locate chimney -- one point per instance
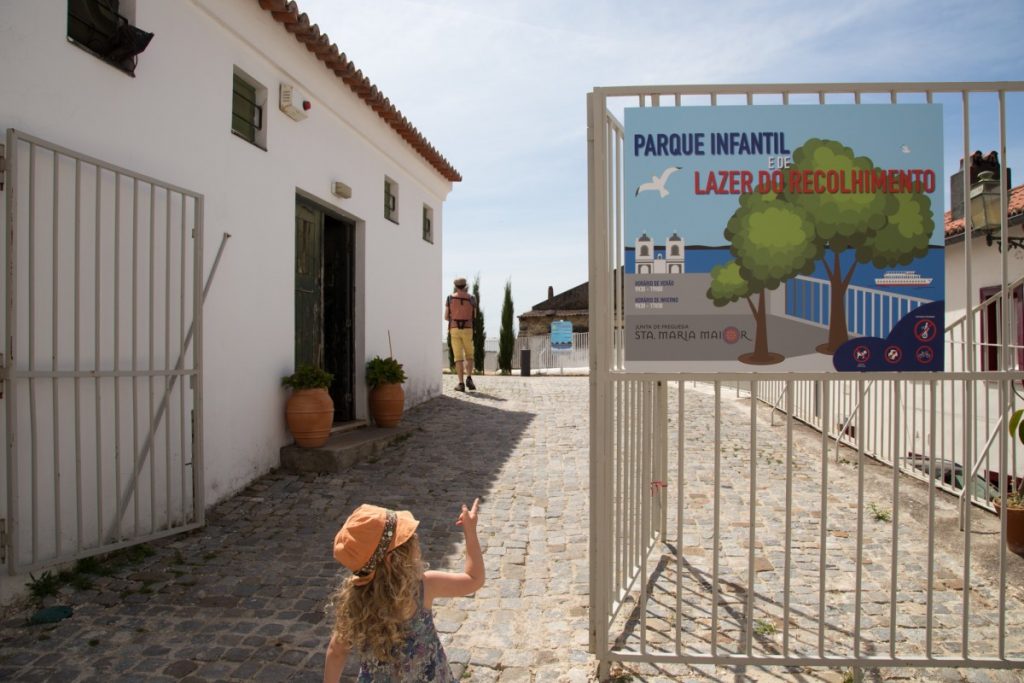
(551, 292)
(979, 163)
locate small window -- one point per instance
(104, 28)
(428, 224)
(248, 99)
(390, 200)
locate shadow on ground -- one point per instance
(244, 597)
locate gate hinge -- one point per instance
(3, 540)
(3, 164)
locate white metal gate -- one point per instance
(102, 372)
(717, 536)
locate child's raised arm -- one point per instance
(471, 579)
(334, 662)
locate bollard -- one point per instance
(524, 362)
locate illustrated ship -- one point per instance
(902, 278)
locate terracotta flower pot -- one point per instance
(1014, 528)
(309, 414)
(386, 404)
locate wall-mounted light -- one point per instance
(340, 189)
(987, 211)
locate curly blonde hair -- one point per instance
(372, 618)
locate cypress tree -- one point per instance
(478, 330)
(507, 340)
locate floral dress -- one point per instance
(420, 658)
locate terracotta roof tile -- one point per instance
(1015, 204)
(296, 23)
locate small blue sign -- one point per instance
(561, 335)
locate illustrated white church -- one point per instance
(650, 260)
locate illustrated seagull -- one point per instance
(658, 182)
(905, 149)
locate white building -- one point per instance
(986, 259)
(124, 178)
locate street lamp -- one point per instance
(987, 209)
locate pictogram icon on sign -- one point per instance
(861, 354)
(893, 354)
(924, 354)
(924, 330)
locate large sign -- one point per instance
(784, 238)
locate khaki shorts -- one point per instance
(462, 343)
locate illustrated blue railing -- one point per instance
(869, 312)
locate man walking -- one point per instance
(459, 311)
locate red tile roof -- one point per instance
(1016, 207)
(287, 14)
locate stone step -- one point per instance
(343, 449)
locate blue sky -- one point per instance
(500, 89)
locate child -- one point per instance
(382, 611)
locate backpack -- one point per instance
(461, 314)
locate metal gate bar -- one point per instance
(55, 196)
(988, 648)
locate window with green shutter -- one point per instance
(390, 200)
(246, 112)
(428, 224)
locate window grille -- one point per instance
(390, 200)
(428, 224)
(97, 27)
(246, 113)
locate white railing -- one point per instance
(869, 312)
(543, 357)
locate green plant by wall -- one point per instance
(880, 513)
(384, 371)
(1015, 496)
(308, 377)
(507, 338)
(478, 330)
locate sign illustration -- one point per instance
(798, 238)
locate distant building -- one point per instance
(572, 305)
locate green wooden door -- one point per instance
(309, 307)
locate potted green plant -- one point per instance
(387, 398)
(310, 410)
(1015, 496)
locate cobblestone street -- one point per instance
(243, 598)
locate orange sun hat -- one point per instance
(370, 533)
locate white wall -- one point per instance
(986, 271)
(172, 122)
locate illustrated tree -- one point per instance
(478, 330)
(506, 338)
(883, 229)
(771, 241)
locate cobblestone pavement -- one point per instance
(243, 598)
